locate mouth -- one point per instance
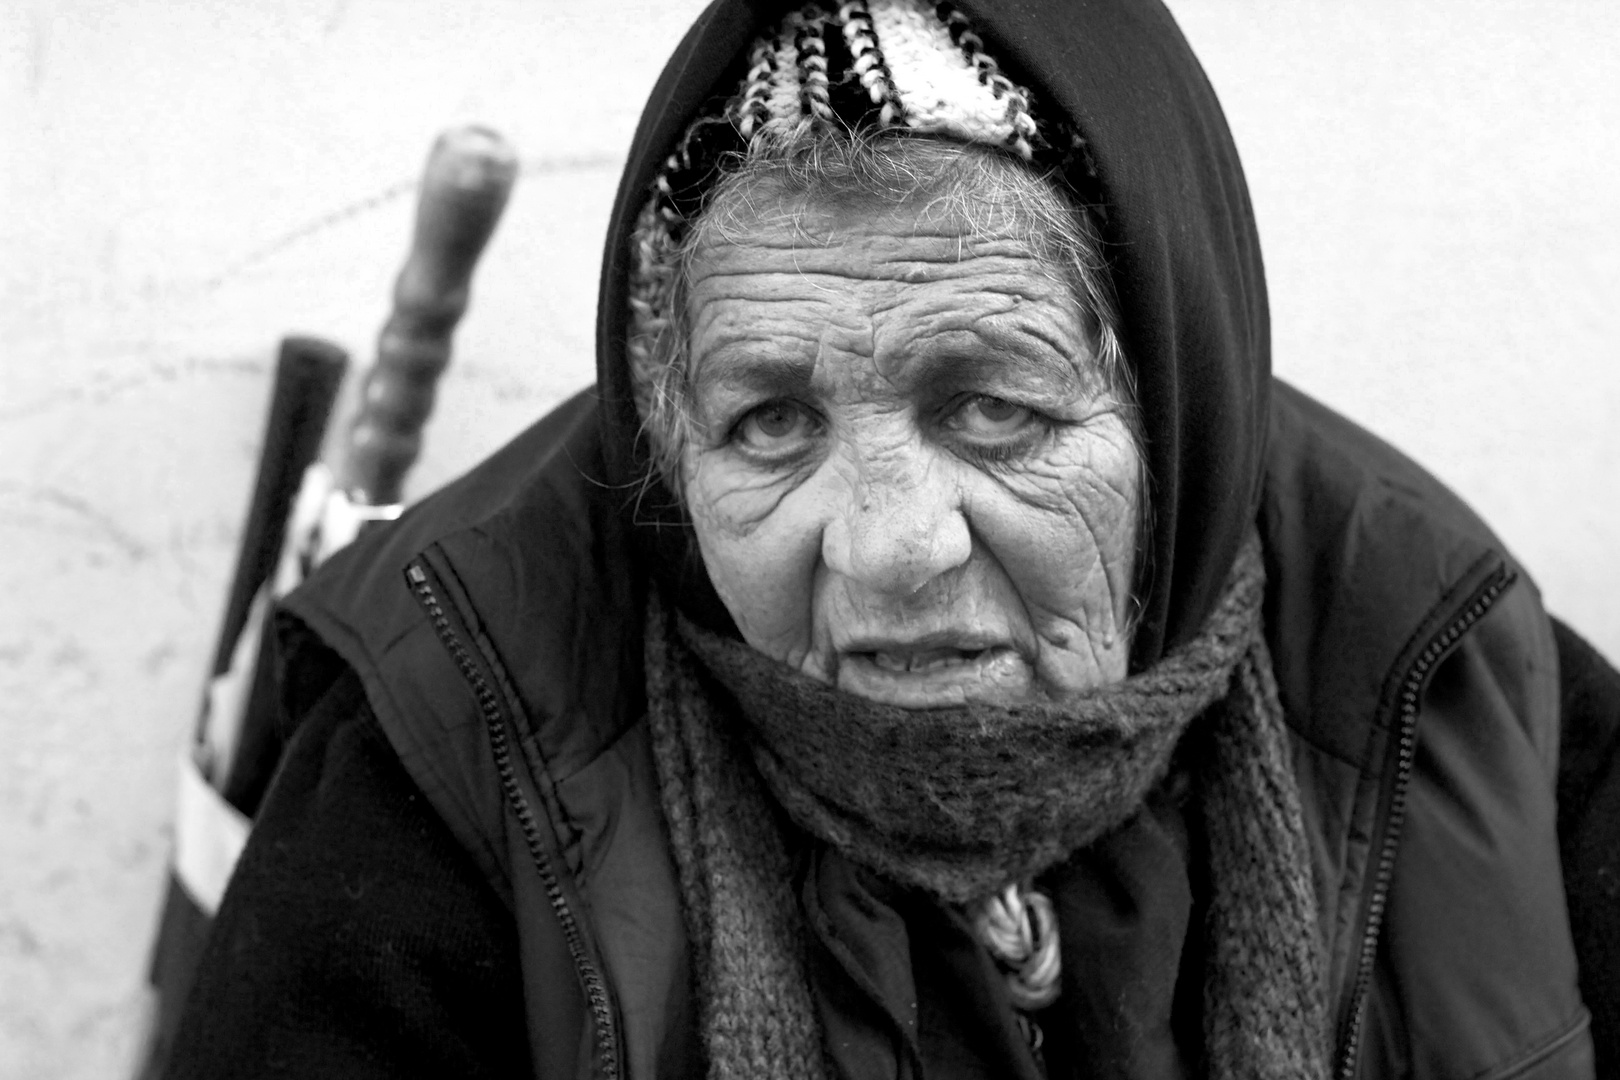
(929, 674)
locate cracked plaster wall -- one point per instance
(188, 180)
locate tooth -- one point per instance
(926, 660)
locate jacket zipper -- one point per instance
(1410, 701)
(494, 713)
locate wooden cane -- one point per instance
(465, 186)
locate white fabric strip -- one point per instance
(209, 834)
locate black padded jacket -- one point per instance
(463, 866)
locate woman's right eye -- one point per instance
(775, 427)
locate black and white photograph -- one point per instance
(835, 540)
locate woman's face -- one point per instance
(906, 478)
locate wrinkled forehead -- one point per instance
(885, 253)
(794, 300)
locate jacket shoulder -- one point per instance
(1366, 550)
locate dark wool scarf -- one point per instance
(960, 801)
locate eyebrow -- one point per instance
(753, 368)
(989, 354)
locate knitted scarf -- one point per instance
(962, 800)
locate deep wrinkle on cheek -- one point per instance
(731, 496)
(1080, 497)
(765, 575)
(1076, 455)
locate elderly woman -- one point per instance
(936, 649)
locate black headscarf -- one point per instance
(1183, 253)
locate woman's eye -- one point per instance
(774, 426)
(992, 417)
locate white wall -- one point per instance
(187, 181)
(1438, 190)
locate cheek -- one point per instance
(1064, 528)
(760, 546)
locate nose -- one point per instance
(898, 524)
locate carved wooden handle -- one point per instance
(464, 189)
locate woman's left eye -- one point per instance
(991, 417)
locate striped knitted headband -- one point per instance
(866, 65)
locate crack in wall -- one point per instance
(101, 524)
(532, 167)
(103, 387)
